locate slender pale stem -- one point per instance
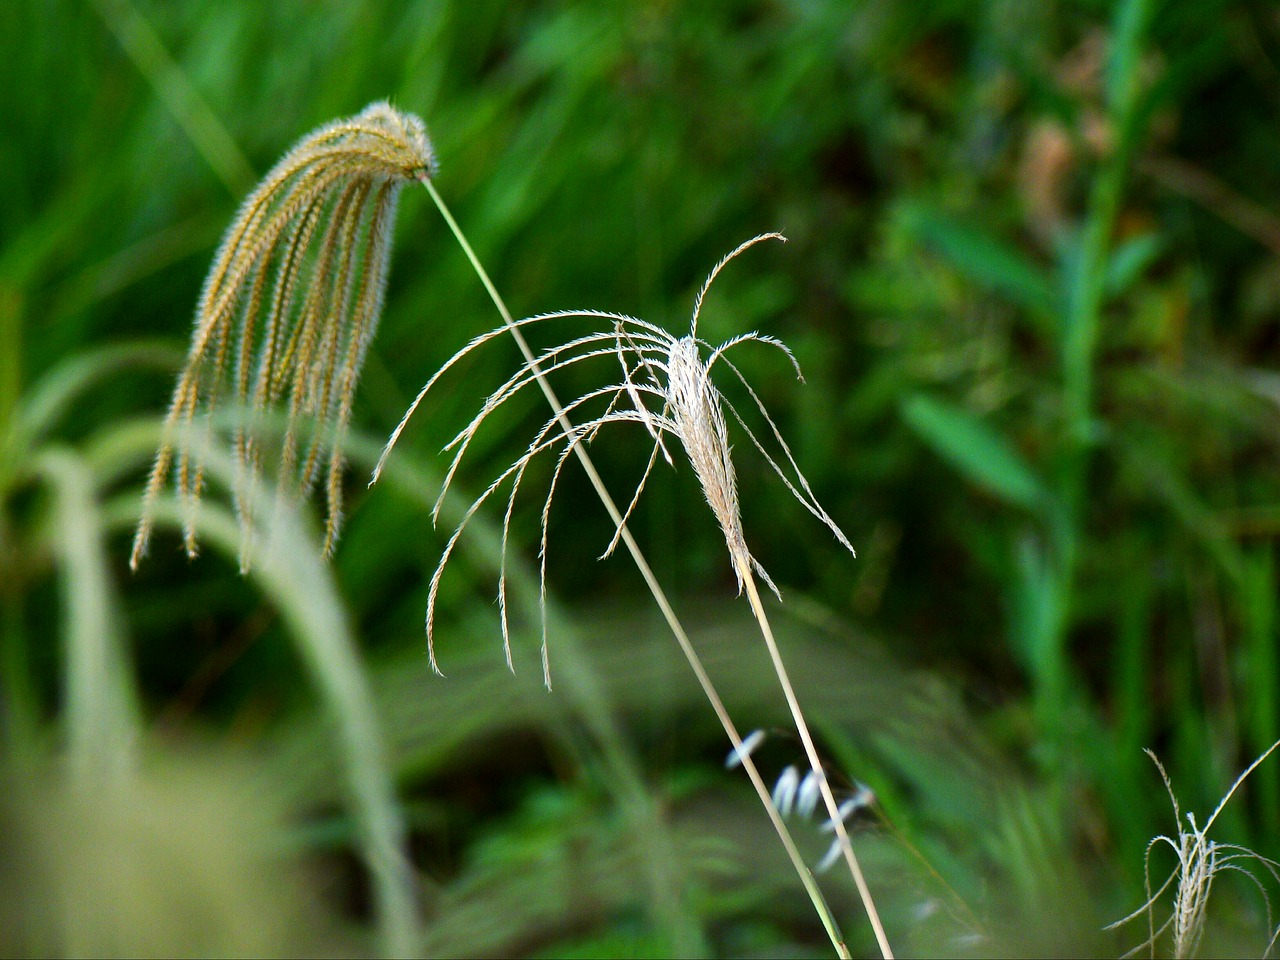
(101, 702)
(686, 646)
(743, 563)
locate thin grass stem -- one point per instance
(743, 562)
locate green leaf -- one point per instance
(1130, 259)
(975, 449)
(1037, 612)
(983, 258)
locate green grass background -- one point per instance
(1032, 280)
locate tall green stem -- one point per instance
(1079, 347)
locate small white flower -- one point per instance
(807, 795)
(829, 858)
(749, 744)
(784, 791)
(861, 800)
(924, 910)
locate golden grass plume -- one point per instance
(287, 313)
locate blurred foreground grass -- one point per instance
(1033, 285)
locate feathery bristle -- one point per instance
(297, 285)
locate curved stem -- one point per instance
(668, 613)
(292, 574)
(101, 708)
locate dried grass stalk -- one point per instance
(666, 387)
(287, 313)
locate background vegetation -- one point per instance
(1032, 281)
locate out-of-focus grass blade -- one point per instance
(987, 261)
(176, 860)
(1134, 711)
(10, 364)
(100, 706)
(1164, 480)
(288, 565)
(1034, 608)
(1129, 260)
(54, 393)
(172, 86)
(1128, 29)
(975, 449)
(1264, 677)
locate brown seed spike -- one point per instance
(287, 311)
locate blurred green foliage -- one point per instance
(1032, 282)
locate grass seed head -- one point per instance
(697, 418)
(666, 387)
(287, 312)
(1199, 860)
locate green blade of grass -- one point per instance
(985, 260)
(51, 396)
(975, 449)
(171, 85)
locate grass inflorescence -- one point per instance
(288, 310)
(1199, 861)
(665, 386)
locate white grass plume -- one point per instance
(1200, 860)
(289, 308)
(665, 386)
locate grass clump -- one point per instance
(1030, 278)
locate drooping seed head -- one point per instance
(666, 388)
(288, 309)
(698, 416)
